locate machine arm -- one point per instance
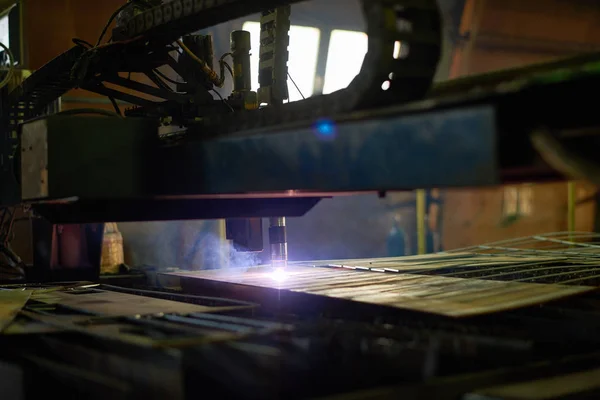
(404, 49)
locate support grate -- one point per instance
(566, 258)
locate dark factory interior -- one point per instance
(299, 199)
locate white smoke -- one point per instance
(188, 245)
(213, 252)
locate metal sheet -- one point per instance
(454, 297)
(122, 304)
(11, 302)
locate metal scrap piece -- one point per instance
(107, 303)
(11, 302)
(455, 297)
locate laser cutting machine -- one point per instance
(205, 144)
(181, 152)
(184, 151)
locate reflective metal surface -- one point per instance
(482, 279)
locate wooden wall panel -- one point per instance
(484, 60)
(549, 20)
(505, 34)
(476, 216)
(50, 26)
(524, 32)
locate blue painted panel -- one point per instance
(435, 149)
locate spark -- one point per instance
(279, 274)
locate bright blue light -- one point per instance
(325, 128)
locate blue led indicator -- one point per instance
(325, 128)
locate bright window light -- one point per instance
(347, 50)
(302, 65)
(4, 32)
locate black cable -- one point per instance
(82, 43)
(225, 55)
(161, 84)
(297, 88)
(110, 20)
(9, 230)
(228, 69)
(98, 111)
(6, 225)
(164, 86)
(223, 100)
(115, 105)
(222, 62)
(15, 264)
(166, 78)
